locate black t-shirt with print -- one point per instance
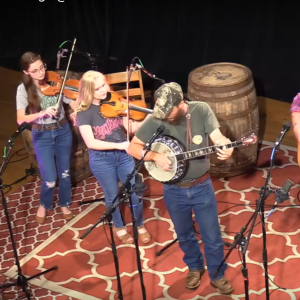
(104, 129)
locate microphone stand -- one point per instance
(240, 239)
(22, 281)
(59, 98)
(153, 76)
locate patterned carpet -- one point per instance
(86, 268)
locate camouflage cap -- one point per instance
(168, 96)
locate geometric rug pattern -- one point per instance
(86, 268)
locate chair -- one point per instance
(118, 81)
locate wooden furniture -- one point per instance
(118, 81)
(229, 90)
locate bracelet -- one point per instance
(143, 153)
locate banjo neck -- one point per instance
(205, 151)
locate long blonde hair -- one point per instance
(86, 92)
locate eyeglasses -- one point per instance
(42, 68)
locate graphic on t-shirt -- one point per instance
(197, 139)
(100, 132)
(47, 101)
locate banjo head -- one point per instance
(166, 144)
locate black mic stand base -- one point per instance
(100, 200)
(135, 238)
(114, 251)
(158, 253)
(241, 242)
(21, 281)
(122, 199)
(91, 201)
(173, 242)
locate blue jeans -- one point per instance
(109, 166)
(48, 146)
(201, 199)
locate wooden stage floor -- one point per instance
(273, 114)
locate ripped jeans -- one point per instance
(53, 153)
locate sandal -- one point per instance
(42, 219)
(123, 235)
(144, 234)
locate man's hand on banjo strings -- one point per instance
(162, 160)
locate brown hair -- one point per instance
(34, 103)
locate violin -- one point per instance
(117, 106)
(54, 83)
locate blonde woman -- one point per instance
(106, 141)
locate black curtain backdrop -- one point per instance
(170, 37)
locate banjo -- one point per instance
(178, 156)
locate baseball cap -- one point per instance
(168, 96)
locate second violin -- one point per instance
(116, 106)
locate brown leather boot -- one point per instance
(223, 286)
(193, 278)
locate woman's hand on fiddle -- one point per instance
(50, 111)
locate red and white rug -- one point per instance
(86, 268)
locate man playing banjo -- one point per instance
(189, 123)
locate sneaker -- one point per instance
(223, 286)
(193, 278)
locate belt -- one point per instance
(189, 183)
(50, 126)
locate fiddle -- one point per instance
(54, 83)
(117, 106)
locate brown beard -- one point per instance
(178, 117)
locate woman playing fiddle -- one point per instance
(51, 139)
(106, 141)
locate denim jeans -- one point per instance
(201, 199)
(53, 153)
(109, 166)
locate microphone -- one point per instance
(139, 187)
(131, 68)
(90, 55)
(59, 55)
(158, 132)
(141, 109)
(148, 73)
(286, 127)
(282, 194)
(22, 127)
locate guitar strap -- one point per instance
(188, 128)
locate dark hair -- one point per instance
(34, 103)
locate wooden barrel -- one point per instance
(229, 90)
(80, 169)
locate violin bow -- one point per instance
(59, 98)
(127, 97)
